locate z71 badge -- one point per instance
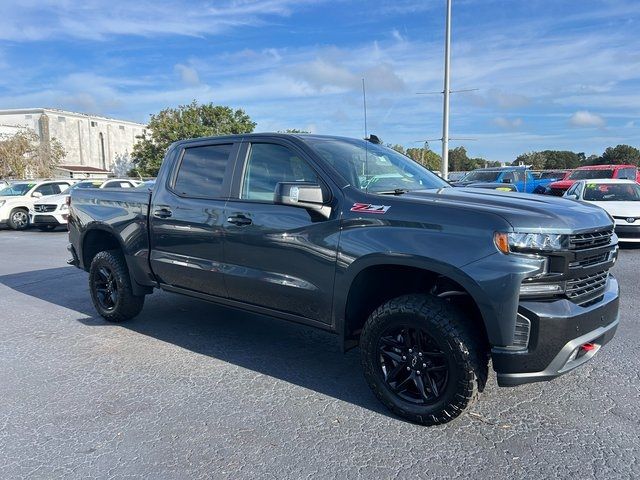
(368, 208)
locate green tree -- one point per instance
(397, 148)
(536, 160)
(551, 159)
(425, 157)
(620, 155)
(186, 121)
(24, 155)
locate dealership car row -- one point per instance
(615, 188)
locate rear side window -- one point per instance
(202, 171)
(48, 189)
(627, 173)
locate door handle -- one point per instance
(162, 213)
(239, 220)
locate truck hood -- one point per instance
(526, 212)
(562, 184)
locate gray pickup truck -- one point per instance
(351, 237)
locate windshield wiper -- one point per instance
(397, 191)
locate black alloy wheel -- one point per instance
(106, 288)
(414, 367)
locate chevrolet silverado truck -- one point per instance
(430, 281)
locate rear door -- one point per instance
(186, 218)
(277, 256)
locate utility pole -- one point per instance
(446, 91)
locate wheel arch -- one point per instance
(99, 237)
(372, 280)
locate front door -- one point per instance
(187, 216)
(279, 257)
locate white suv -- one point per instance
(50, 212)
(18, 198)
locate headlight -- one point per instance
(530, 242)
(535, 289)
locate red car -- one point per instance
(629, 172)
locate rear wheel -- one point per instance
(110, 287)
(18, 219)
(421, 360)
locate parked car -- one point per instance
(592, 172)
(456, 176)
(429, 280)
(51, 212)
(620, 198)
(520, 177)
(18, 198)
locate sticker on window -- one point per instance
(369, 208)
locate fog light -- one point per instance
(540, 289)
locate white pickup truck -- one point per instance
(51, 212)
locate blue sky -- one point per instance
(550, 74)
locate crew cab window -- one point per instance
(202, 171)
(269, 164)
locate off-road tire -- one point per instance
(14, 224)
(127, 305)
(461, 344)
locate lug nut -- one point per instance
(410, 351)
(419, 354)
(408, 368)
(418, 372)
(424, 365)
(404, 357)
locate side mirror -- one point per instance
(572, 196)
(302, 194)
(36, 194)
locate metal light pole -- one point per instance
(446, 91)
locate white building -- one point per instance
(89, 140)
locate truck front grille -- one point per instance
(582, 241)
(584, 289)
(590, 261)
(44, 208)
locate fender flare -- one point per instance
(345, 279)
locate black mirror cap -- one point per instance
(300, 194)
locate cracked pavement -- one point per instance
(193, 390)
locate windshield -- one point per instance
(612, 192)
(17, 189)
(481, 176)
(374, 168)
(92, 184)
(588, 174)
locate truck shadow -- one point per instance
(293, 353)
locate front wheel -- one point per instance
(18, 219)
(421, 359)
(110, 287)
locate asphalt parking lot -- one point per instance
(191, 390)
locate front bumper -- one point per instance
(558, 328)
(52, 218)
(628, 232)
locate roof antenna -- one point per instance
(366, 141)
(364, 104)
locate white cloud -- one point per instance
(188, 75)
(583, 118)
(508, 123)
